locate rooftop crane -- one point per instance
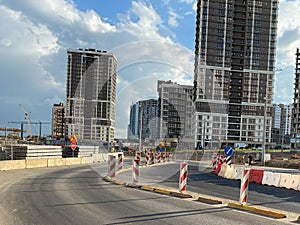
(27, 118)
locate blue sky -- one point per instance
(152, 40)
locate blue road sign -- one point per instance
(228, 151)
(159, 149)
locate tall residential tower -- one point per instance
(234, 71)
(91, 95)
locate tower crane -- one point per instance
(27, 118)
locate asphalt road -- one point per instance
(203, 181)
(77, 195)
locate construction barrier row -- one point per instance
(152, 157)
(40, 163)
(276, 179)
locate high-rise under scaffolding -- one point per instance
(91, 95)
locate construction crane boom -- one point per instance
(27, 118)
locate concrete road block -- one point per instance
(12, 165)
(73, 161)
(56, 162)
(36, 163)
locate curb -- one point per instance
(209, 201)
(147, 188)
(256, 210)
(161, 191)
(118, 182)
(133, 185)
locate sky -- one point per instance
(152, 40)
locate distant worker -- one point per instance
(250, 158)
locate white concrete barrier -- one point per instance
(238, 172)
(229, 174)
(223, 170)
(36, 163)
(12, 165)
(73, 161)
(56, 162)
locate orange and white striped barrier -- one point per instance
(135, 171)
(183, 176)
(120, 161)
(112, 166)
(244, 187)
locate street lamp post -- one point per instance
(140, 129)
(264, 134)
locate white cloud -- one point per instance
(288, 41)
(147, 25)
(172, 21)
(288, 31)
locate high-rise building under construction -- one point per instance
(234, 71)
(91, 95)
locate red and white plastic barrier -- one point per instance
(138, 156)
(244, 186)
(120, 161)
(183, 176)
(135, 171)
(158, 157)
(152, 158)
(147, 157)
(214, 161)
(112, 166)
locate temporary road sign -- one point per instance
(228, 151)
(73, 146)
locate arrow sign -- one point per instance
(228, 151)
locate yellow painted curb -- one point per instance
(209, 201)
(259, 211)
(181, 195)
(161, 191)
(118, 182)
(147, 188)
